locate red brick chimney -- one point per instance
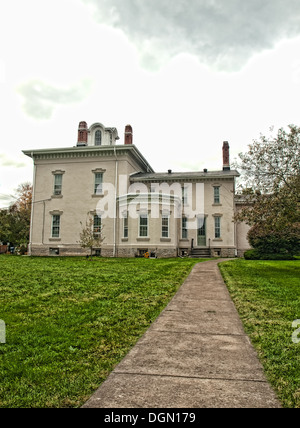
(226, 156)
(128, 135)
(82, 134)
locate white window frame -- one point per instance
(97, 225)
(56, 227)
(125, 226)
(184, 228)
(217, 227)
(58, 179)
(184, 196)
(165, 228)
(143, 216)
(97, 139)
(217, 195)
(98, 183)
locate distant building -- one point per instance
(164, 214)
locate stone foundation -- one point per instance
(166, 253)
(228, 252)
(223, 252)
(136, 252)
(241, 252)
(54, 251)
(123, 252)
(126, 252)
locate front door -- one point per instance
(201, 236)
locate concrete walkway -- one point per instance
(195, 355)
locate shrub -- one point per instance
(275, 242)
(252, 255)
(257, 255)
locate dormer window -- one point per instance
(98, 138)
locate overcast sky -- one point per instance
(186, 74)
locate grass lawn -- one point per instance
(69, 321)
(267, 296)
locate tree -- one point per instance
(4, 226)
(15, 221)
(91, 235)
(283, 241)
(270, 172)
(21, 213)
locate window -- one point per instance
(98, 190)
(97, 225)
(165, 226)
(143, 225)
(217, 227)
(142, 252)
(125, 226)
(216, 195)
(98, 138)
(184, 196)
(55, 226)
(58, 184)
(54, 251)
(184, 231)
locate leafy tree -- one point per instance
(91, 236)
(270, 187)
(15, 221)
(278, 242)
(4, 225)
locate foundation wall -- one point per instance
(75, 251)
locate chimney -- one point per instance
(226, 161)
(128, 135)
(82, 134)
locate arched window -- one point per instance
(98, 138)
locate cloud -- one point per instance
(10, 163)
(224, 34)
(5, 200)
(41, 99)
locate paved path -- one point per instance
(195, 355)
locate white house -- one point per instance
(166, 214)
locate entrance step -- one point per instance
(200, 253)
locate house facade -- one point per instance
(164, 214)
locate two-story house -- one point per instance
(164, 214)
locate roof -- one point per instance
(167, 176)
(73, 152)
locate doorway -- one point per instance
(201, 231)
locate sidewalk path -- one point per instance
(195, 355)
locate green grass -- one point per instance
(267, 296)
(69, 321)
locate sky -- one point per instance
(186, 74)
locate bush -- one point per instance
(275, 242)
(252, 255)
(257, 255)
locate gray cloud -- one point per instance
(41, 99)
(222, 33)
(5, 199)
(7, 162)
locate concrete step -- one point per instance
(200, 252)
